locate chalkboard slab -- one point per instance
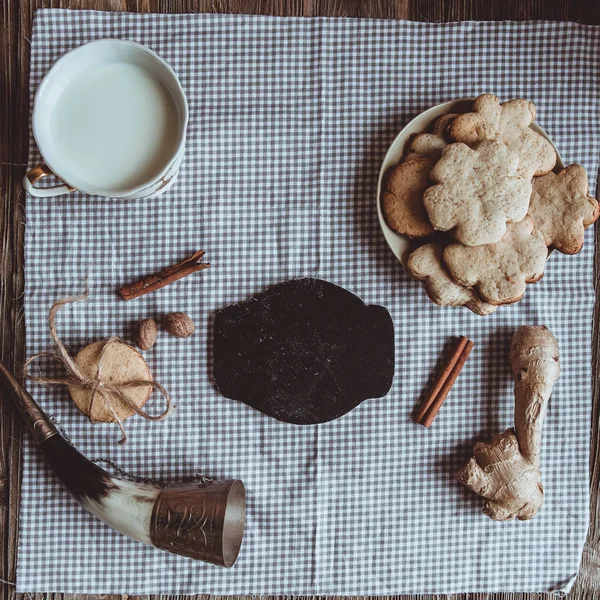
(304, 351)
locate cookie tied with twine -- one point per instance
(108, 380)
(110, 361)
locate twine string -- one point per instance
(109, 393)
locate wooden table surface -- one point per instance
(15, 33)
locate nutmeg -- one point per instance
(178, 324)
(145, 333)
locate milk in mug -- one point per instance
(114, 126)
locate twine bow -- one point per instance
(108, 392)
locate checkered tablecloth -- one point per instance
(290, 120)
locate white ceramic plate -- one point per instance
(400, 244)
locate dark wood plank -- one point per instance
(519, 10)
(15, 32)
(13, 155)
(376, 9)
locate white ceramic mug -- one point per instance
(109, 119)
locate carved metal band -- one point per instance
(189, 520)
(36, 420)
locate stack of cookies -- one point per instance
(480, 197)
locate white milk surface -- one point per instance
(114, 127)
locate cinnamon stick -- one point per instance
(165, 277)
(438, 400)
(462, 341)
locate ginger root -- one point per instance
(506, 471)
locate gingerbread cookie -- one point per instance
(441, 125)
(561, 208)
(507, 123)
(403, 197)
(115, 363)
(425, 264)
(432, 145)
(479, 190)
(499, 272)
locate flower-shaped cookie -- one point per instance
(432, 145)
(507, 123)
(425, 264)
(479, 191)
(403, 197)
(561, 208)
(500, 271)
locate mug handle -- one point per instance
(36, 174)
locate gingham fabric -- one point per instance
(290, 120)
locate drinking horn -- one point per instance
(202, 520)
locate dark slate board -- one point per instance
(305, 351)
